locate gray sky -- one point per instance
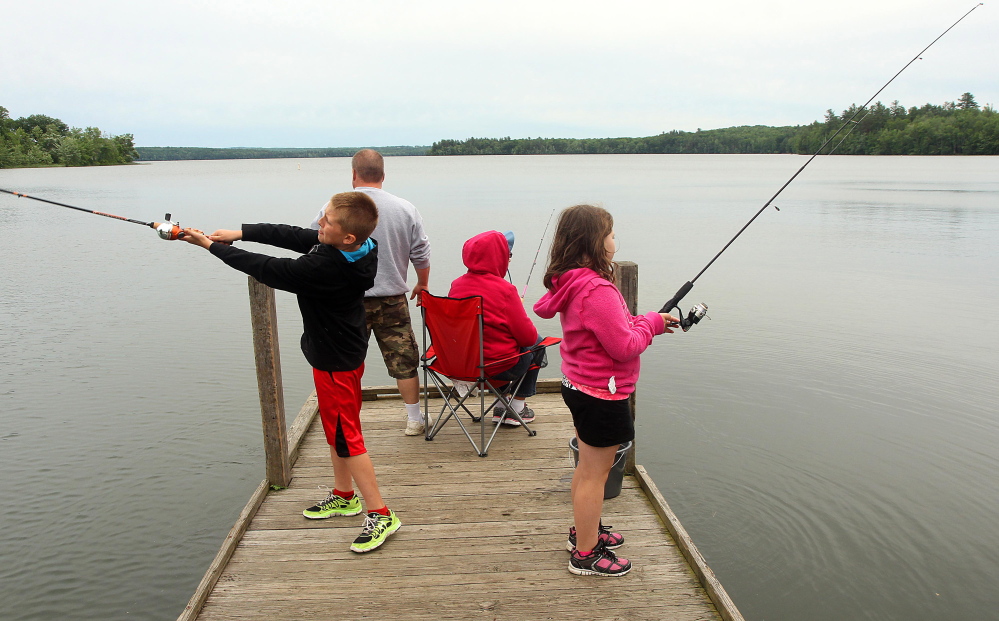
(331, 73)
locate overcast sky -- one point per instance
(376, 73)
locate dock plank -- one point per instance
(482, 538)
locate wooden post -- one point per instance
(627, 282)
(267, 356)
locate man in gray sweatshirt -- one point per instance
(401, 240)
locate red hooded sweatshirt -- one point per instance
(507, 326)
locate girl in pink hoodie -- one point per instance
(601, 343)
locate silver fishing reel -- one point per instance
(168, 230)
(695, 315)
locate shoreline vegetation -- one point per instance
(39, 140)
(161, 154)
(953, 128)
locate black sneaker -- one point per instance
(609, 538)
(527, 414)
(599, 562)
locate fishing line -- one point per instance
(700, 310)
(540, 243)
(166, 230)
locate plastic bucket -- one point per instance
(616, 477)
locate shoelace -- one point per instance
(606, 554)
(603, 529)
(329, 494)
(370, 524)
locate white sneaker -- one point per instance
(415, 428)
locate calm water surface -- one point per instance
(830, 438)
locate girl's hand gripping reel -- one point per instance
(699, 311)
(168, 230)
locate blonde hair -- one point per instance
(355, 212)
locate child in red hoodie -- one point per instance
(507, 328)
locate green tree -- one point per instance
(967, 102)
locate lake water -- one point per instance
(829, 438)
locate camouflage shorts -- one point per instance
(388, 318)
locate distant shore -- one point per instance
(159, 154)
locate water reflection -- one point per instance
(829, 438)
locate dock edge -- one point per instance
(716, 592)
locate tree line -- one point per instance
(158, 154)
(40, 140)
(953, 128)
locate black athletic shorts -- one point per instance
(599, 422)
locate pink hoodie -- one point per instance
(507, 326)
(601, 340)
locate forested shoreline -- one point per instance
(954, 128)
(159, 154)
(40, 140)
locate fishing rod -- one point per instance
(540, 243)
(701, 310)
(166, 230)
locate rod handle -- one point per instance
(673, 301)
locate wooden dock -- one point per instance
(482, 538)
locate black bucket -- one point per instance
(616, 477)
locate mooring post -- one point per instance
(267, 356)
(628, 284)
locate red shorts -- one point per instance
(339, 394)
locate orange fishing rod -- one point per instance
(166, 230)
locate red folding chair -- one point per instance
(455, 352)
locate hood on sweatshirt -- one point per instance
(487, 253)
(565, 288)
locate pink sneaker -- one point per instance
(610, 539)
(599, 562)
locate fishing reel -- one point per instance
(168, 230)
(695, 315)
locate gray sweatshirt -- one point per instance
(400, 238)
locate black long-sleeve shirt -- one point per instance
(330, 289)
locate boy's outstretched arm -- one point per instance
(198, 238)
(292, 275)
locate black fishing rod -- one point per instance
(699, 311)
(166, 230)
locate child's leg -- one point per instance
(342, 479)
(339, 395)
(360, 468)
(529, 387)
(588, 491)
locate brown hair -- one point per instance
(579, 242)
(355, 212)
(369, 165)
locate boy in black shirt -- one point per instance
(337, 266)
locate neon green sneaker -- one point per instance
(376, 530)
(333, 505)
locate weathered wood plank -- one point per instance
(628, 284)
(726, 607)
(375, 393)
(482, 538)
(221, 559)
(267, 357)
